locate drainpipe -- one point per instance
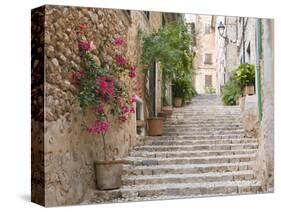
(258, 68)
(243, 39)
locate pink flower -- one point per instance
(119, 101)
(82, 26)
(133, 72)
(120, 60)
(86, 45)
(134, 98)
(132, 110)
(99, 109)
(98, 126)
(118, 41)
(125, 109)
(106, 85)
(124, 117)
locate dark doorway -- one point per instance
(152, 88)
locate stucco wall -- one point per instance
(267, 87)
(205, 43)
(68, 153)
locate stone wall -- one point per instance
(67, 153)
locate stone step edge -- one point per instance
(191, 158)
(191, 175)
(192, 152)
(191, 145)
(128, 167)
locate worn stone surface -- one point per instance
(175, 166)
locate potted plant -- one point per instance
(245, 75)
(104, 93)
(182, 90)
(231, 92)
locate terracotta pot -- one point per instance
(249, 90)
(177, 101)
(168, 110)
(108, 174)
(155, 126)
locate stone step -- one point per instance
(156, 141)
(203, 118)
(188, 178)
(197, 137)
(162, 148)
(199, 122)
(202, 129)
(146, 161)
(186, 168)
(203, 124)
(177, 190)
(170, 154)
(217, 132)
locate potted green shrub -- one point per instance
(103, 92)
(182, 90)
(245, 76)
(231, 92)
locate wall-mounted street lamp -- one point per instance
(221, 29)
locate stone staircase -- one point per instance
(203, 152)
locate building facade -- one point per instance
(251, 40)
(205, 62)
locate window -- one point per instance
(147, 14)
(207, 28)
(208, 59)
(208, 81)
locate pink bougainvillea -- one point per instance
(82, 27)
(118, 41)
(103, 88)
(99, 109)
(120, 60)
(133, 72)
(106, 85)
(85, 45)
(99, 126)
(134, 98)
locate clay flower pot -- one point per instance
(177, 101)
(155, 126)
(108, 174)
(168, 110)
(249, 90)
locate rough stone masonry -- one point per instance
(63, 155)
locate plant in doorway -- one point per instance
(103, 91)
(171, 46)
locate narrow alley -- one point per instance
(203, 152)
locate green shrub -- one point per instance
(245, 75)
(182, 87)
(231, 92)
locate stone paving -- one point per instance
(203, 152)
